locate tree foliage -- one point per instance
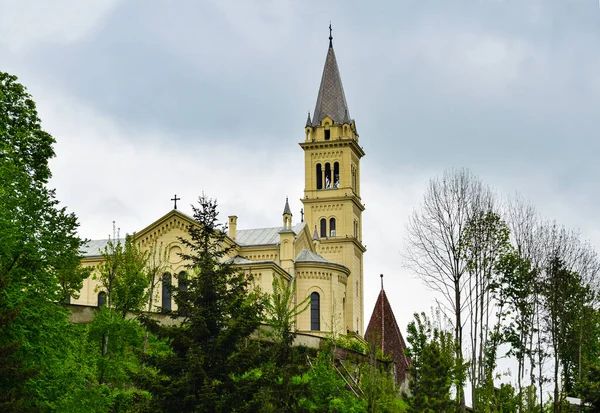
(39, 256)
(434, 367)
(219, 311)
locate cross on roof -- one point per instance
(175, 199)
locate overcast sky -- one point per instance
(151, 98)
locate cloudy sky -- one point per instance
(151, 98)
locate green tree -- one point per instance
(326, 390)
(280, 316)
(514, 286)
(38, 253)
(564, 299)
(122, 274)
(433, 367)
(218, 313)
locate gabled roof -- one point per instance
(95, 248)
(383, 331)
(331, 100)
(263, 236)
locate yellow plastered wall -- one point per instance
(330, 284)
(342, 203)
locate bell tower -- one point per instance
(332, 200)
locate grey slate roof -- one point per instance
(331, 100)
(309, 256)
(244, 237)
(263, 236)
(94, 248)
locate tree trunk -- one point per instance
(460, 393)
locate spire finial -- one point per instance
(381, 275)
(330, 36)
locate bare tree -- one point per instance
(433, 245)
(527, 236)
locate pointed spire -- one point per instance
(316, 234)
(331, 100)
(287, 210)
(308, 121)
(383, 331)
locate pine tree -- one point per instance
(218, 311)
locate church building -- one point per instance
(323, 251)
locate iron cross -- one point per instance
(175, 199)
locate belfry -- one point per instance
(332, 202)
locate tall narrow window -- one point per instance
(182, 281)
(323, 228)
(327, 175)
(332, 227)
(166, 291)
(101, 299)
(336, 175)
(319, 176)
(327, 134)
(315, 312)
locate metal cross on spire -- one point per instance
(330, 36)
(175, 199)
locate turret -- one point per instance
(286, 240)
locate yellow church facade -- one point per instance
(323, 253)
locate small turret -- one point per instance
(287, 215)
(286, 240)
(316, 240)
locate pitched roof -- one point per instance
(331, 100)
(383, 330)
(95, 248)
(263, 236)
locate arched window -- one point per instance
(166, 291)
(182, 281)
(101, 299)
(336, 175)
(323, 228)
(332, 227)
(328, 182)
(315, 312)
(319, 176)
